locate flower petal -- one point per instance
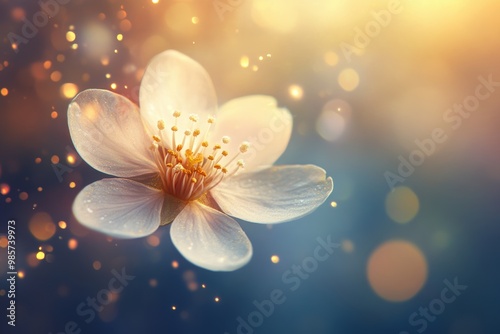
(258, 120)
(108, 133)
(119, 207)
(274, 195)
(175, 82)
(210, 239)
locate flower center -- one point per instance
(189, 165)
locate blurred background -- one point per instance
(397, 100)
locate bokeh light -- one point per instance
(68, 90)
(348, 79)
(42, 226)
(296, 92)
(397, 270)
(333, 120)
(402, 204)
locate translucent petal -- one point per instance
(274, 195)
(258, 120)
(108, 133)
(210, 239)
(119, 207)
(175, 82)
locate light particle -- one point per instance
(70, 36)
(296, 92)
(244, 61)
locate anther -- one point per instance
(176, 114)
(240, 163)
(204, 144)
(187, 132)
(156, 139)
(226, 139)
(161, 125)
(196, 132)
(174, 128)
(193, 117)
(194, 180)
(225, 153)
(211, 119)
(244, 146)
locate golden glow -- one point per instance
(104, 60)
(119, 37)
(53, 114)
(41, 226)
(195, 20)
(70, 36)
(296, 92)
(21, 274)
(402, 204)
(113, 85)
(72, 244)
(4, 188)
(55, 76)
(244, 61)
(275, 259)
(72, 184)
(397, 270)
(175, 264)
(333, 204)
(62, 224)
(40, 256)
(331, 58)
(3, 241)
(277, 15)
(348, 79)
(70, 159)
(217, 299)
(4, 91)
(68, 90)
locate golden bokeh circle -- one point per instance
(397, 270)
